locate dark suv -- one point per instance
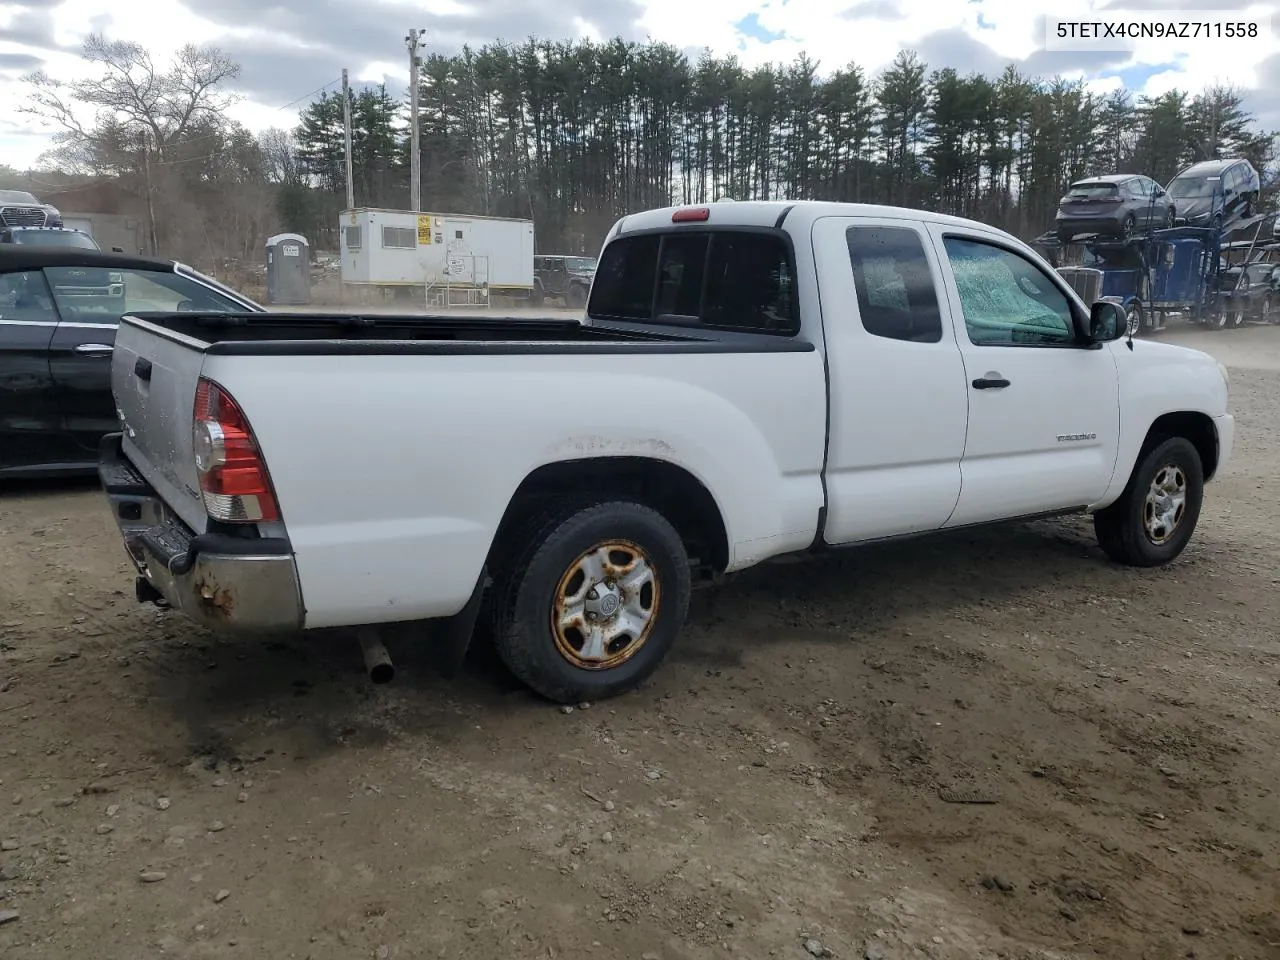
(563, 277)
(1216, 191)
(1115, 205)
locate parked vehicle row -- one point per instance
(1208, 194)
(59, 310)
(750, 380)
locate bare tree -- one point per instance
(133, 101)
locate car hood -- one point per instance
(1194, 207)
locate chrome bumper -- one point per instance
(216, 579)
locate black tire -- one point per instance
(1122, 529)
(542, 560)
(1127, 226)
(1170, 217)
(538, 298)
(1065, 237)
(576, 298)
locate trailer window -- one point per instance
(399, 238)
(729, 279)
(352, 237)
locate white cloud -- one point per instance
(833, 32)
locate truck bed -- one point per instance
(294, 334)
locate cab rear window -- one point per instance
(726, 279)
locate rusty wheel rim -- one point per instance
(605, 605)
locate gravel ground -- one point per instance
(776, 790)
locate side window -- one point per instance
(896, 294)
(623, 287)
(102, 295)
(1006, 299)
(25, 297)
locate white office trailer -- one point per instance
(442, 259)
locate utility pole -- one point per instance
(415, 143)
(346, 131)
(151, 212)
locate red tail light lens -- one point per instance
(233, 476)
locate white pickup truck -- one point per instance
(751, 380)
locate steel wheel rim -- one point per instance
(1166, 504)
(1132, 322)
(605, 605)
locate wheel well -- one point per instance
(1196, 427)
(672, 491)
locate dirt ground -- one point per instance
(773, 792)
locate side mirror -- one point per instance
(1107, 321)
(1160, 191)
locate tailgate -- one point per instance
(153, 375)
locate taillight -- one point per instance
(691, 215)
(233, 476)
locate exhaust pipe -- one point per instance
(376, 659)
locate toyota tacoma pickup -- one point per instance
(750, 380)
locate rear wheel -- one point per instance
(1236, 316)
(576, 297)
(590, 600)
(1152, 521)
(1170, 217)
(1127, 227)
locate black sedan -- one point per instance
(59, 309)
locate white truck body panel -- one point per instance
(392, 488)
(403, 248)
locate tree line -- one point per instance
(574, 135)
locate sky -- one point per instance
(288, 51)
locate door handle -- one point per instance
(142, 369)
(94, 349)
(996, 382)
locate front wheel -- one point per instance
(591, 599)
(1154, 518)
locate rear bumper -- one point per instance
(1078, 225)
(216, 579)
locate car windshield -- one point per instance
(55, 238)
(17, 196)
(1192, 187)
(1091, 191)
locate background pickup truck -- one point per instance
(753, 379)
